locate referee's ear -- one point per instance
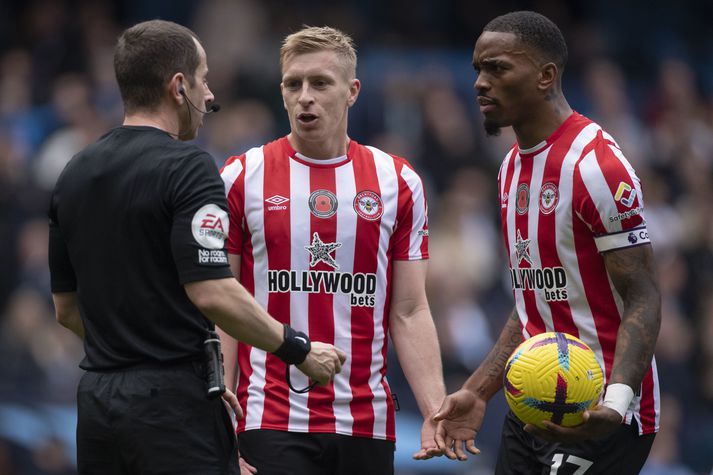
(175, 88)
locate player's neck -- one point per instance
(541, 124)
(320, 150)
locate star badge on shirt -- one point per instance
(522, 249)
(321, 251)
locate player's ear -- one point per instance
(354, 88)
(547, 76)
(282, 92)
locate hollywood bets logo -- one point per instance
(361, 287)
(550, 281)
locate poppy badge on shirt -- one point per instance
(323, 203)
(522, 198)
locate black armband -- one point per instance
(294, 348)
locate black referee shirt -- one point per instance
(132, 218)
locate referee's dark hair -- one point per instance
(534, 30)
(147, 55)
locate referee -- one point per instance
(139, 272)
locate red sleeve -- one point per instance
(233, 175)
(410, 238)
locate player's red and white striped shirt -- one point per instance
(316, 240)
(564, 202)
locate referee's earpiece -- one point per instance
(180, 90)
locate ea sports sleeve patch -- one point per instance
(209, 227)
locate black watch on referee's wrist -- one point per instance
(294, 348)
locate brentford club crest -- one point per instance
(549, 196)
(323, 203)
(522, 198)
(368, 205)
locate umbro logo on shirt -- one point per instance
(277, 203)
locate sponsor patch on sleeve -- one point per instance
(210, 226)
(212, 257)
(622, 239)
(626, 214)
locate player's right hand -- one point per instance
(597, 422)
(459, 420)
(323, 362)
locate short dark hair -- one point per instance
(147, 55)
(534, 30)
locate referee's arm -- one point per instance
(67, 312)
(228, 343)
(232, 308)
(63, 280)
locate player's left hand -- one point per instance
(598, 422)
(231, 400)
(429, 448)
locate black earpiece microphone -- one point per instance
(211, 109)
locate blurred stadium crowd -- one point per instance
(643, 70)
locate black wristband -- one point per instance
(295, 347)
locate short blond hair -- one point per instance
(312, 39)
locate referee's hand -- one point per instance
(231, 400)
(323, 362)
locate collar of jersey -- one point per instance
(315, 162)
(529, 152)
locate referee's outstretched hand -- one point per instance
(459, 420)
(598, 422)
(323, 362)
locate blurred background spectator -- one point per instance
(642, 69)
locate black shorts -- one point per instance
(623, 453)
(152, 421)
(275, 452)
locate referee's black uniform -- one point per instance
(133, 218)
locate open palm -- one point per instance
(460, 418)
